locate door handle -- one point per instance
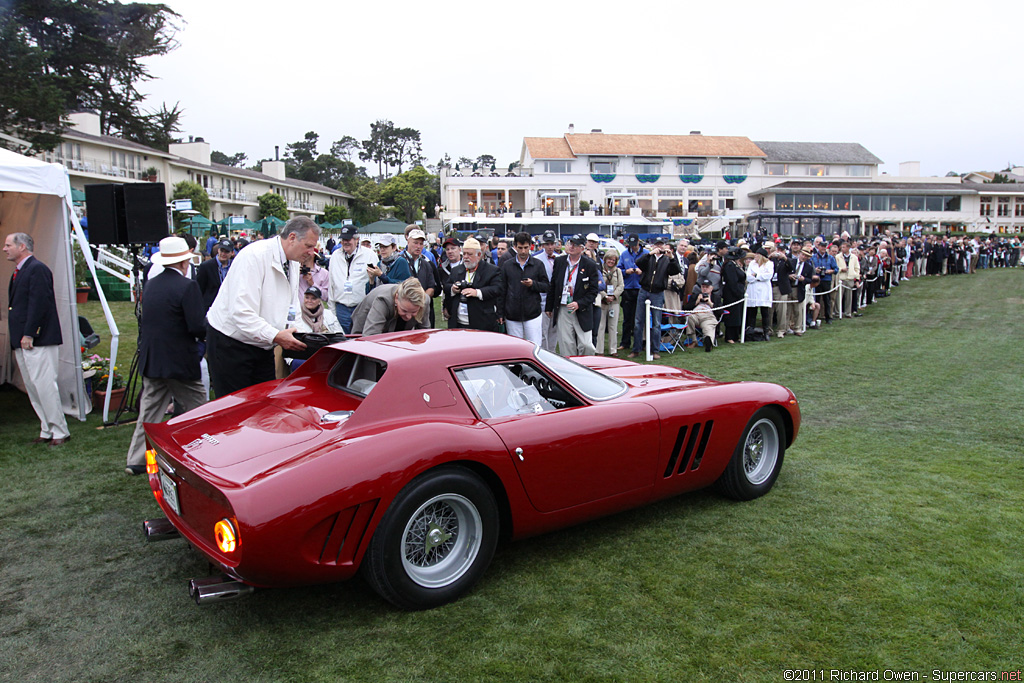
(519, 452)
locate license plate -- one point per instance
(170, 491)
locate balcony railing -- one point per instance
(97, 167)
(232, 195)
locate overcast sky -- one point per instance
(933, 82)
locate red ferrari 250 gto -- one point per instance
(408, 455)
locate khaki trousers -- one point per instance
(781, 310)
(705, 321)
(572, 340)
(38, 367)
(848, 290)
(609, 325)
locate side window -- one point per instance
(510, 389)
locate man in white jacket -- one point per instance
(349, 276)
(248, 317)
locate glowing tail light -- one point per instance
(150, 461)
(226, 536)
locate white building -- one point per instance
(93, 158)
(707, 183)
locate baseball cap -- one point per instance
(592, 237)
(225, 245)
(704, 282)
(315, 291)
(388, 240)
(548, 237)
(633, 239)
(348, 232)
(471, 243)
(417, 234)
(659, 240)
(452, 239)
(578, 240)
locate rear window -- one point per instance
(356, 374)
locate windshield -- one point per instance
(593, 385)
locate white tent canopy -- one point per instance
(35, 198)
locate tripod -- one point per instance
(133, 372)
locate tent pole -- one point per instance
(111, 325)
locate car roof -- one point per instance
(440, 347)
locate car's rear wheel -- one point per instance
(435, 541)
(756, 462)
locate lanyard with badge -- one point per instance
(347, 287)
(567, 290)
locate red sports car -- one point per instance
(408, 455)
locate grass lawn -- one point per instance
(892, 540)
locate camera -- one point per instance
(303, 270)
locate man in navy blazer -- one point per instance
(212, 271)
(571, 297)
(172, 325)
(34, 331)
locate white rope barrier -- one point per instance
(743, 325)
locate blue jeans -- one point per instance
(344, 314)
(656, 299)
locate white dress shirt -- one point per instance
(253, 301)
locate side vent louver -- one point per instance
(691, 446)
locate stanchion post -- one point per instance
(743, 324)
(647, 319)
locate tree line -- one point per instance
(412, 193)
(60, 56)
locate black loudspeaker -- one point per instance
(145, 212)
(105, 207)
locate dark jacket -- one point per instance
(173, 321)
(521, 303)
(783, 269)
(656, 273)
(426, 274)
(483, 313)
(584, 294)
(208, 277)
(803, 270)
(33, 309)
(734, 287)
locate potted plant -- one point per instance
(99, 370)
(82, 275)
(151, 174)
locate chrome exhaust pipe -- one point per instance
(213, 589)
(159, 530)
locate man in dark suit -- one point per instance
(173, 322)
(212, 272)
(477, 305)
(34, 330)
(571, 297)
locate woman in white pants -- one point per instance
(614, 285)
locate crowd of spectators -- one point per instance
(570, 297)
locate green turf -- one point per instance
(892, 540)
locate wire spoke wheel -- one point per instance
(441, 540)
(761, 451)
